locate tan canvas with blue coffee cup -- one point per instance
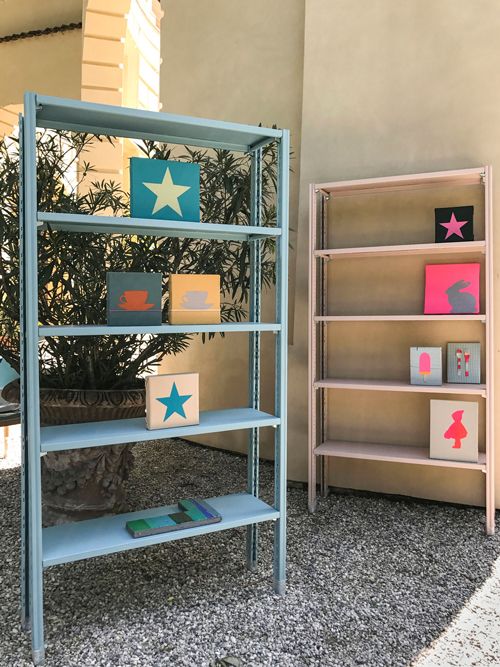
(194, 299)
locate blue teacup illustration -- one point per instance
(195, 300)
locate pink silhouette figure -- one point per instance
(457, 430)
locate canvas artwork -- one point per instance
(454, 224)
(133, 299)
(454, 427)
(426, 365)
(194, 299)
(172, 400)
(192, 512)
(464, 363)
(451, 288)
(164, 189)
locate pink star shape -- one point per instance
(454, 227)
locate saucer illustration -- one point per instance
(135, 300)
(195, 300)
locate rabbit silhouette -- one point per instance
(461, 302)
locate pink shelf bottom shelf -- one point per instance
(392, 453)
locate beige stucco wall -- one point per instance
(394, 87)
(388, 87)
(239, 61)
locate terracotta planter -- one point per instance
(80, 484)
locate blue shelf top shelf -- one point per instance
(102, 224)
(122, 431)
(162, 329)
(65, 114)
(98, 537)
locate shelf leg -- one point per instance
(254, 350)
(311, 486)
(280, 556)
(323, 477)
(25, 517)
(280, 525)
(253, 483)
(30, 380)
(313, 409)
(38, 656)
(25, 540)
(323, 351)
(490, 501)
(490, 356)
(36, 589)
(281, 354)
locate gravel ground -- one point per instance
(371, 580)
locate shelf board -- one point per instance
(121, 431)
(102, 224)
(107, 535)
(56, 113)
(481, 317)
(162, 329)
(392, 453)
(475, 247)
(455, 177)
(390, 385)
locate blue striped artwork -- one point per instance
(193, 512)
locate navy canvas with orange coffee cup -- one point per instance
(134, 299)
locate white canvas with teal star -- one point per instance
(172, 400)
(164, 189)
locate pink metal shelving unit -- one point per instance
(322, 446)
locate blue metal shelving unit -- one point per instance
(44, 547)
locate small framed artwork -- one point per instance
(454, 426)
(133, 299)
(426, 365)
(451, 288)
(194, 299)
(454, 224)
(172, 400)
(164, 189)
(464, 363)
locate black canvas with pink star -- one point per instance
(454, 224)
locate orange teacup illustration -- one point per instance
(135, 299)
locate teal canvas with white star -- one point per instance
(164, 189)
(172, 400)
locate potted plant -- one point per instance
(93, 379)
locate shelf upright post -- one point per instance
(490, 355)
(24, 564)
(281, 375)
(323, 347)
(312, 349)
(254, 347)
(30, 380)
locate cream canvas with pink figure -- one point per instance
(451, 289)
(454, 427)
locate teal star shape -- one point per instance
(174, 403)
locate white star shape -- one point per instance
(167, 193)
